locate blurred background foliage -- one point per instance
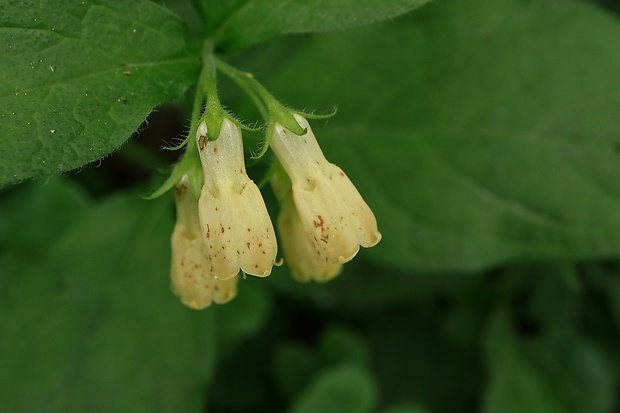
(484, 135)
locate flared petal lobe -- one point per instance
(236, 229)
(335, 217)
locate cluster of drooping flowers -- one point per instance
(223, 228)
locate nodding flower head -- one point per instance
(334, 216)
(190, 274)
(236, 230)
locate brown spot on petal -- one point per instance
(222, 229)
(202, 141)
(247, 245)
(318, 223)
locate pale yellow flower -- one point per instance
(190, 272)
(299, 254)
(334, 216)
(236, 229)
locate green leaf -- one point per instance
(414, 360)
(89, 322)
(243, 317)
(612, 291)
(557, 372)
(346, 388)
(295, 364)
(35, 215)
(293, 367)
(77, 78)
(240, 23)
(482, 136)
(406, 408)
(338, 344)
(241, 383)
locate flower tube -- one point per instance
(236, 229)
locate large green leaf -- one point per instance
(406, 408)
(295, 364)
(559, 372)
(346, 388)
(537, 355)
(88, 322)
(474, 129)
(239, 23)
(77, 78)
(32, 218)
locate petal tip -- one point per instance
(375, 241)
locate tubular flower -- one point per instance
(191, 278)
(298, 251)
(236, 228)
(335, 218)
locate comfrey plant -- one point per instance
(223, 228)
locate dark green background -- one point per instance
(484, 135)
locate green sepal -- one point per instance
(177, 147)
(315, 116)
(287, 120)
(283, 116)
(174, 177)
(190, 166)
(213, 117)
(243, 126)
